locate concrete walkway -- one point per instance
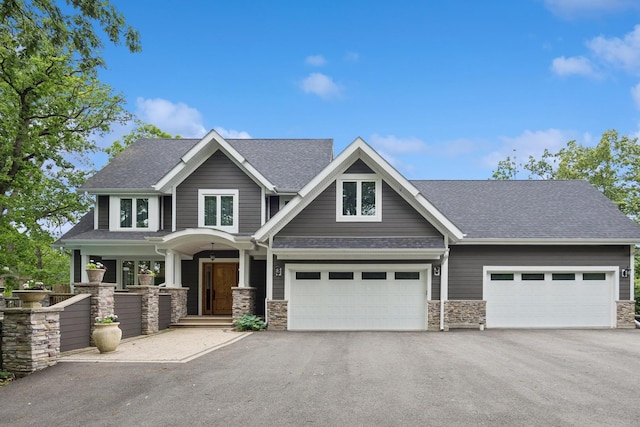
(169, 346)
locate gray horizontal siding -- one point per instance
(398, 219)
(164, 311)
(466, 263)
(167, 213)
(218, 172)
(75, 325)
(128, 308)
(103, 212)
(359, 167)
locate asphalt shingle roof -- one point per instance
(358, 243)
(529, 209)
(481, 209)
(287, 163)
(141, 165)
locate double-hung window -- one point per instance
(133, 213)
(218, 209)
(359, 198)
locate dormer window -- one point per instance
(218, 209)
(133, 213)
(359, 198)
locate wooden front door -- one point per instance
(217, 280)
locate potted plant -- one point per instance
(95, 271)
(107, 333)
(145, 275)
(32, 294)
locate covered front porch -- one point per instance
(225, 273)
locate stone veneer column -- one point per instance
(433, 315)
(150, 311)
(178, 302)
(244, 301)
(102, 300)
(625, 314)
(466, 313)
(277, 315)
(30, 339)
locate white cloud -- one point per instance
(352, 57)
(569, 9)
(232, 133)
(174, 118)
(623, 53)
(393, 145)
(321, 85)
(315, 60)
(635, 94)
(563, 66)
(529, 143)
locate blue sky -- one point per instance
(443, 89)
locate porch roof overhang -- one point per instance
(192, 240)
(358, 248)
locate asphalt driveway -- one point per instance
(495, 377)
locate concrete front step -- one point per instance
(220, 322)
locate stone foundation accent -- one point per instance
(465, 313)
(30, 339)
(433, 315)
(244, 301)
(277, 315)
(150, 310)
(102, 302)
(625, 314)
(178, 302)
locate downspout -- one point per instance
(163, 252)
(269, 278)
(444, 285)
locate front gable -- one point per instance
(398, 218)
(197, 155)
(318, 203)
(219, 175)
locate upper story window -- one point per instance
(359, 198)
(133, 213)
(218, 209)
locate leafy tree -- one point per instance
(141, 130)
(52, 105)
(612, 166)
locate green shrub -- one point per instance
(6, 377)
(249, 322)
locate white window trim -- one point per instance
(213, 192)
(359, 178)
(114, 213)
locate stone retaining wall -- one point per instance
(465, 313)
(150, 309)
(277, 315)
(30, 339)
(244, 301)
(625, 314)
(178, 302)
(102, 302)
(433, 315)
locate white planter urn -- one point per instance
(145, 279)
(106, 336)
(95, 274)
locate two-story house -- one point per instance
(348, 243)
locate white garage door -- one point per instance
(539, 299)
(340, 298)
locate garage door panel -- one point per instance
(357, 304)
(549, 303)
